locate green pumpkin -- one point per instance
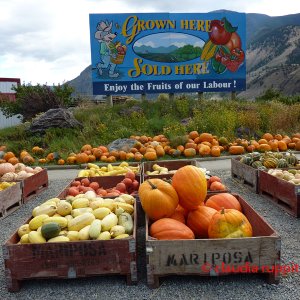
(282, 163)
(291, 159)
(270, 162)
(256, 164)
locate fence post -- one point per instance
(200, 96)
(109, 100)
(233, 95)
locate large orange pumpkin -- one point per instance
(170, 229)
(199, 219)
(223, 200)
(158, 198)
(229, 223)
(191, 186)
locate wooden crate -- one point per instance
(10, 200)
(170, 164)
(245, 174)
(34, 185)
(69, 259)
(284, 194)
(213, 257)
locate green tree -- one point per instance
(31, 100)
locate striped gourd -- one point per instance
(270, 162)
(256, 164)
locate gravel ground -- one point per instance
(180, 287)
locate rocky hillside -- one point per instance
(273, 61)
(273, 57)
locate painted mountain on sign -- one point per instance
(169, 47)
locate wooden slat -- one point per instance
(211, 257)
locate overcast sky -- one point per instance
(47, 41)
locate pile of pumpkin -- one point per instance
(17, 172)
(182, 210)
(152, 148)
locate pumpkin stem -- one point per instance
(152, 185)
(222, 211)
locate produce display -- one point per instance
(109, 170)
(83, 217)
(147, 148)
(128, 185)
(182, 209)
(269, 160)
(292, 175)
(17, 172)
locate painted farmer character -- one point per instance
(105, 36)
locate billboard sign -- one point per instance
(168, 52)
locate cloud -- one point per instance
(48, 41)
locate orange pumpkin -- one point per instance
(149, 155)
(236, 150)
(190, 184)
(158, 198)
(92, 158)
(282, 146)
(179, 216)
(97, 152)
(225, 200)
(111, 159)
(13, 160)
(273, 144)
(122, 155)
(217, 186)
(82, 158)
(129, 156)
(28, 160)
(42, 160)
(268, 136)
(193, 134)
(206, 137)
(215, 151)
(169, 229)
(23, 153)
(190, 145)
(160, 151)
(297, 146)
(204, 150)
(262, 141)
(86, 147)
(138, 156)
(61, 161)
(198, 220)
(37, 150)
(8, 155)
(264, 148)
(182, 210)
(50, 156)
(229, 223)
(71, 160)
(189, 152)
(278, 137)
